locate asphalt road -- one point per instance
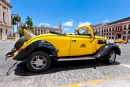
(87, 73)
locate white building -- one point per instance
(44, 30)
(5, 19)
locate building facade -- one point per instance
(5, 18)
(119, 29)
(44, 30)
(97, 29)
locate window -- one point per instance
(109, 29)
(112, 37)
(85, 32)
(124, 37)
(113, 29)
(124, 32)
(112, 33)
(128, 32)
(121, 27)
(3, 17)
(118, 27)
(129, 26)
(124, 27)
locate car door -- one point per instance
(82, 44)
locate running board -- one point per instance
(77, 58)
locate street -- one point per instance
(85, 73)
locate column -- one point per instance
(43, 31)
(33, 31)
(4, 35)
(0, 32)
(126, 37)
(37, 31)
(1, 13)
(6, 16)
(9, 17)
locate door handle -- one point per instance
(73, 40)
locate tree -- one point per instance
(24, 26)
(29, 22)
(13, 22)
(21, 32)
(17, 19)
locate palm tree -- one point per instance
(24, 26)
(17, 19)
(29, 22)
(13, 22)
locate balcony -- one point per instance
(118, 30)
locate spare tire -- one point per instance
(20, 43)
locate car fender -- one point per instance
(104, 50)
(25, 52)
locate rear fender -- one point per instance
(103, 51)
(44, 45)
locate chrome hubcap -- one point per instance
(112, 57)
(38, 62)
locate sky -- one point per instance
(71, 13)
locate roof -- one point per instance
(121, 20)
(7, 3)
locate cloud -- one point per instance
(68, 23)
(41, 24)
(56, 27)
(84, 23)
(66, 29)
(106, 21)
(44, 24)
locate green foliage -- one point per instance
(10, 37)
(13, 22)
(21, 32)
(29, 22)
(24, 26)
(15, 19)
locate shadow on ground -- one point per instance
(21, 68)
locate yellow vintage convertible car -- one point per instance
(39, 51)
(120, 41)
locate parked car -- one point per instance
(39, 51)
(120, 41)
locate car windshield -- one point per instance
(85, 32)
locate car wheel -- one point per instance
(111, 56)
(38, 62)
